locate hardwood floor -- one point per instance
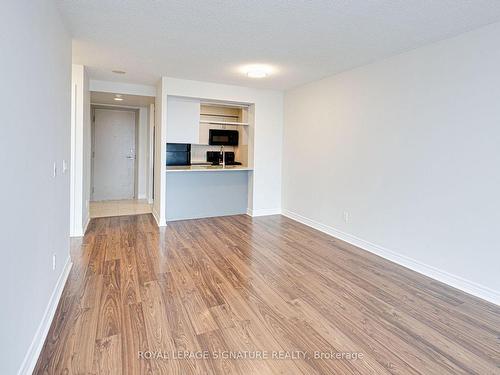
(240, 286)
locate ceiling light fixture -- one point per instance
(256, 74)
(118, 98)
(119, 71)
(257, 70)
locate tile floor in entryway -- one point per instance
(119, 208)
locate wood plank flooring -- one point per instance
(188, 298)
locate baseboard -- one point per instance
(263, 212)
(83, 231)
(414, 265)
(169, 219)
(156, 215)
(85, 227)
(35, 348)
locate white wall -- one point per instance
(87, 154)
(268, 112)
(122, 88)
(36, 90)
(143, 153)
(409, 146)
(80, 151)
(160, 156)
(151, 156)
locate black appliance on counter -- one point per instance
(229, 156)
(215, 158)
(178, 154)
(219, 137)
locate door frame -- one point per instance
(92, 147)
(151, 150)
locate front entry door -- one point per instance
(114, 154)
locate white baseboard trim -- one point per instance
(263, 212)
(156, 215)
(86, 226)
(169, 219)
(81, 233)
(35, 348)
(77, 233)
(414, 265)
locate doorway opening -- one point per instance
(121, 154)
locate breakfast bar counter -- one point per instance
(207, 168)
(205, 191)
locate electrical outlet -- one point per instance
(346, 216)
(53, 262)
(54, 172)
(64, 166)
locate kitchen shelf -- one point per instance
(223, 122)
(218, 115)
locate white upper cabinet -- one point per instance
(183, 120)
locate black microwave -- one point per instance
(218, 137)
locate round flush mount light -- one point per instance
(117, 71)
(257, 70)
(118, 97)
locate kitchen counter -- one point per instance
(191, 194)
(207, 168)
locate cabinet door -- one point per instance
(204, 129)
(183, 120)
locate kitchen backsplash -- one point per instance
(199, 152)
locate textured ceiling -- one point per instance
(304, 39)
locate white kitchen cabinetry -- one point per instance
(183, 120)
